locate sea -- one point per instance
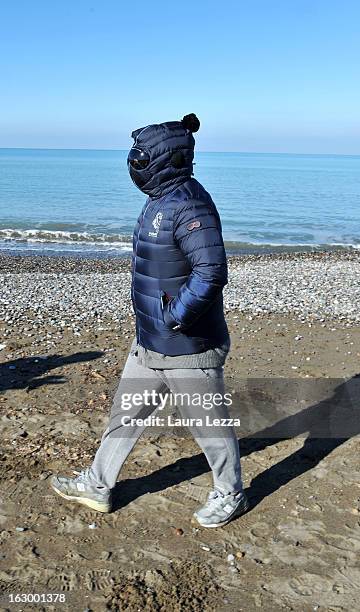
(83, 202)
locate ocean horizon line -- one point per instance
(197, 151)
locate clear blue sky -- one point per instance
(262, 75)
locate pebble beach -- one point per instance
(63, 291)
(66, 325)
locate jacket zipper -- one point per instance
(134, 270)
(137, 240)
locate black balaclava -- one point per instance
(169, 152)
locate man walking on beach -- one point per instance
(179, 269)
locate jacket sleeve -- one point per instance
(197, 231)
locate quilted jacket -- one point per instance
(179, 264)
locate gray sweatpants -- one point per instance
(218, 443)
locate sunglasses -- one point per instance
(138, 158)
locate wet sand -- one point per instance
(297, 548)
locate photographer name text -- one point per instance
(171, 421)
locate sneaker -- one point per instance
(220, 509)
(80, 490)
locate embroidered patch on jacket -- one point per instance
(156, 223)
(193, 225)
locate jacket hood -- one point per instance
(170, 146)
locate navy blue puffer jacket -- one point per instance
(179, 264)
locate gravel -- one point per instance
(65, 292)
(311, 288)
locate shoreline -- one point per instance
(12, 261)
(123, 249)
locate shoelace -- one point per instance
(82, 474)
(214, 497)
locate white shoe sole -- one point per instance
(90, 503)
(214, 525)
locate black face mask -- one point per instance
(137, 161)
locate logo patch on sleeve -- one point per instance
(193, 225)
